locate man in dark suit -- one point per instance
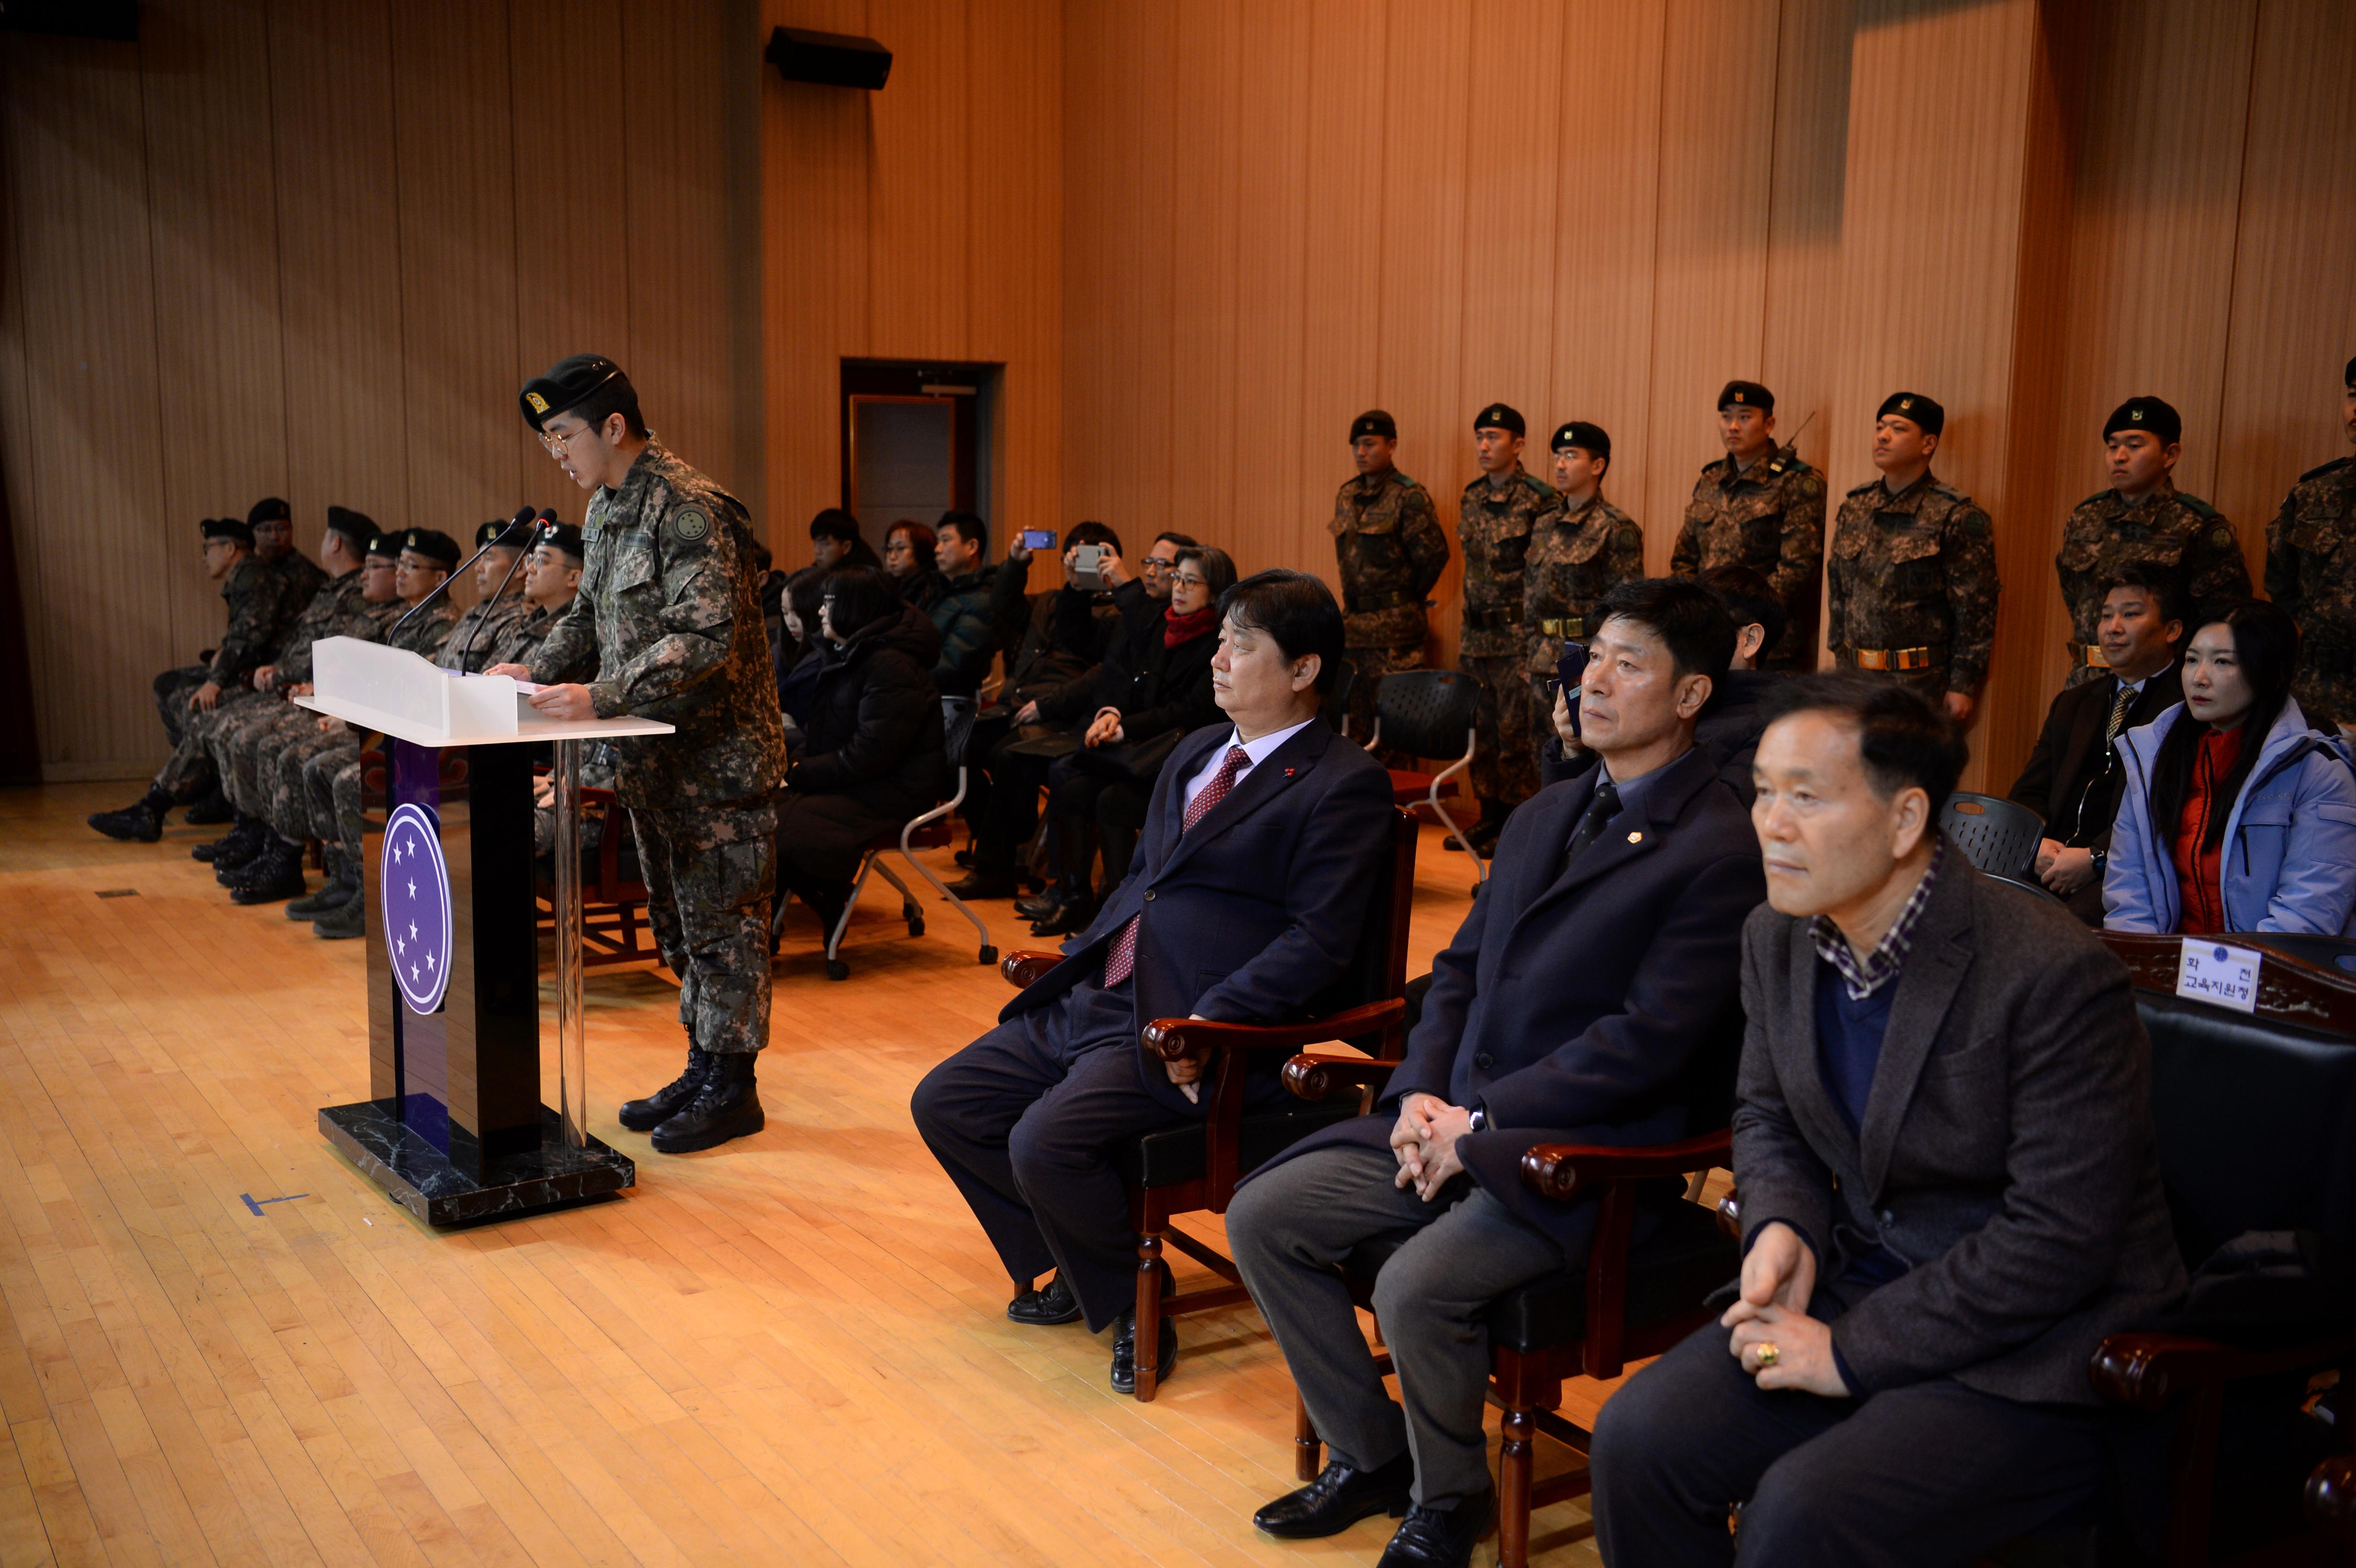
(1949, 1183)
(2073, 777)
(1588, 998)
(1261, 852)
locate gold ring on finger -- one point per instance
(1768, 1355)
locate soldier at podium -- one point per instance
(669, 610)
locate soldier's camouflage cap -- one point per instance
(1373, 421)
(269, 509)
(1928, 416)
(1746, 395)
(1589, 438)
(433, 544)
(568, 383)
(499, 531)
(226, 528)
(358, 527)
(560, 536)
(2146, 414)
(386, 545)
(1499, 416)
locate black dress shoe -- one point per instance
(1044, 1308)
(984, 882)
(1339, 1498)
(1124, 1353)
(644, 1115)
(1067, 917)
(727, 1105)
(1431, 1538)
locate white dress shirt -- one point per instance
(1256, 751)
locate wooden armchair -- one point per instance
(614, 924)
(1194, 1168)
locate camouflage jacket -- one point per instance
(479, 631)
(1770, 519)
(1576, 558)
(299, 580)
(424, 635)
(1391, 549)
(1916, 569)
(1492, 525)
(519, 644)
(336, 611)
(670, 608)
(256, 620)
(2311, 557)
(2166, 530)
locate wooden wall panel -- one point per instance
(1204, 351)
(920, 183)
(1016, 160)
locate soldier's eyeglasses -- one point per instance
(557, 443)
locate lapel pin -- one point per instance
(1289, 772)
(1635, 838)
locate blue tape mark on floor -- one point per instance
(256, 1207)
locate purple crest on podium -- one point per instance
(416, 907)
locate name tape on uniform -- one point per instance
(2210, 972)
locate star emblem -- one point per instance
(429, 961)
(413, 971)
(413, 890)
(413, 928)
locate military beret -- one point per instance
(1497, 416)
(2352, 372)
(1373, 421)
(433, 544)
(1587, 438)
(1747, 395)
(2146, 414)
(386, 545)
(561, 535)
(499, 531)
(228, 529)
(269, 508)
(569, 383)
(358, 527)
(1928, 416)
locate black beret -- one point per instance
(358, 527)
(1587, 438)
(433, 544)
(2146, 414)
(561, 535)
(386, 544)
(1497, 416)
(228, 529)
(1928, 416)
(1747, 395)
(2352, 372)
(1373, 421)
(568, 383)
(269, 508)
(499, 531)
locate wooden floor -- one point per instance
(789, 1349)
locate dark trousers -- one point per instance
(1011, 815)
(1913, 1478)
(1025, 1121)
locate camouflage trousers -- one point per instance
(710, 872)
(191, 769)
(244, 741)
(1504, 769)
(331, 791)
(173, 689)
(1370, 666)
(286, 795)
(2327, 700)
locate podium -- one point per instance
(454, 1129)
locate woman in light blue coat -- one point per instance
(2237, 816)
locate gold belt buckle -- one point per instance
(1894, 659)
(1562, 626)
(1871, 658)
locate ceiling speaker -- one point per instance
(831, 59)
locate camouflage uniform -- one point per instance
(247, 748)
(669, 607)
(1493, 523)
(299, 580)
(299, 802)
(2311, 572)
(475, 640)
(596, 773)
(2167, 530)
(1576, 558)
(1391, 550)
(256, 617)
(1769, 518)
(520, 644)
(1916, 569)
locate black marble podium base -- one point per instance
(422, 1179)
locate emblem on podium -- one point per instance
(416, 907)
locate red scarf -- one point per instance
(1177, 628)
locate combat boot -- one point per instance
(237, 843)
(211, 811)
(230, 859)
(276, 874)
(143, 821)
(343, 886)
(644, 1115)
(727, 1106)
(343, 925)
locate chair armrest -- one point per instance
(2146, 1371)
(1321, 1075)
(2331, 1497)
(1565, 1171)
(1024, 966)
(1193, 1039)
(1730, 1213)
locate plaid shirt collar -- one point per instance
(1881, 966)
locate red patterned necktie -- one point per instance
(1122, 960)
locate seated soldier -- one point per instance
(256, 616)
(552, 581)
(1261, 853)
(2074, 776)
(1950, 1190)
(1588, 998)
(500, 549)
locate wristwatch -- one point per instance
(2101, 859)
(1479, 1120)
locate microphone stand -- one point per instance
(468, 652)
(444, 586)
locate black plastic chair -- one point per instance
(1423, 712)
(1999, 837)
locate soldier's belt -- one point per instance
(1367, 603)
(1894, 659)
(1563, 626)
(1491, 620)
(2090, 655)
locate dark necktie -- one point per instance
(1122, 961)
(1599, 811)
(2119, 713)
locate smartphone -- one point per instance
(1086, 559)
(1038, 539)
(1567, 673)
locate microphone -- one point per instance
(524, 516)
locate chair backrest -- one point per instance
(2255, 1111)
(1427, 712)
(1334, 706)
(1377, 969)
(1999, 837)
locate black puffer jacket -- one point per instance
(1170, 690)
(876, 726)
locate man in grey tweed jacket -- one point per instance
(1949, 1185)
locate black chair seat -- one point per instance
(1170, 1158)
(1670, 1274)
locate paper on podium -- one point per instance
(393, 690)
